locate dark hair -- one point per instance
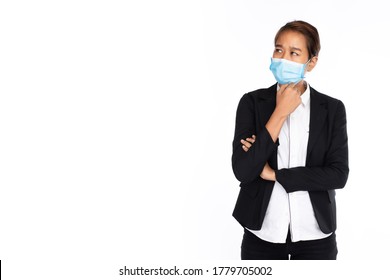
(307, 30)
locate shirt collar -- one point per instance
(306, 95)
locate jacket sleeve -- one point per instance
(247, 166)
(333, 174)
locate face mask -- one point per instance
(287, 71)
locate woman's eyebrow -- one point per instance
(295, 49)
(291, 48)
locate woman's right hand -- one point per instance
(288, 99)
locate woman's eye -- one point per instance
(278, 51)
(294, 53)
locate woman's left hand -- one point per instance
(247, 143)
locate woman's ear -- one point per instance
(312, 63)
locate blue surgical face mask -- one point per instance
(287, 71)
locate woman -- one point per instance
(290, 153)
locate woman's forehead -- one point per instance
(291, 39)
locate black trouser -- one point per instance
(254, 248)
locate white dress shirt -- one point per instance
(291, 210)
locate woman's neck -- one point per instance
(302, 86)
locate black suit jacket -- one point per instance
(326, 162)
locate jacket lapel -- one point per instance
(266, 103)
(318, 115)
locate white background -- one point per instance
(117, 119)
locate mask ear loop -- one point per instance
(307, 62)
(304, 82)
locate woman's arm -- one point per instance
(334, 173)
(248, 168)
(247, 165)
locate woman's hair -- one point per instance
(307, 30)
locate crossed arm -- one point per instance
(252, 161)
(268, 173)
(288, 99)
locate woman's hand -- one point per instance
(288, 98)
(247, 143)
